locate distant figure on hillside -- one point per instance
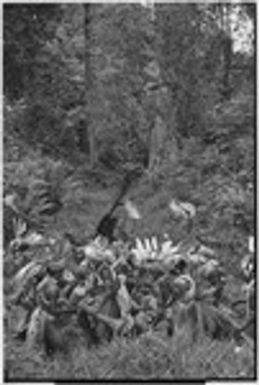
(107, 225)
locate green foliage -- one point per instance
(181, 46)
(106, 62)
(149, 357)
(52, 76)
(26, 28)
(64, 79)
(40, 182)
(118, 70)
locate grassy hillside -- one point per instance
(207, 176)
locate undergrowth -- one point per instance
(223, 198)
(148, 357)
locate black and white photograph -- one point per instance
(129, 191)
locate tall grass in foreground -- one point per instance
(148, 357)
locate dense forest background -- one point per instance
(94, 90)
(94, 93)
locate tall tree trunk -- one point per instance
(158, 94)
(226, 49)
(89, 80)
(153, 71)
